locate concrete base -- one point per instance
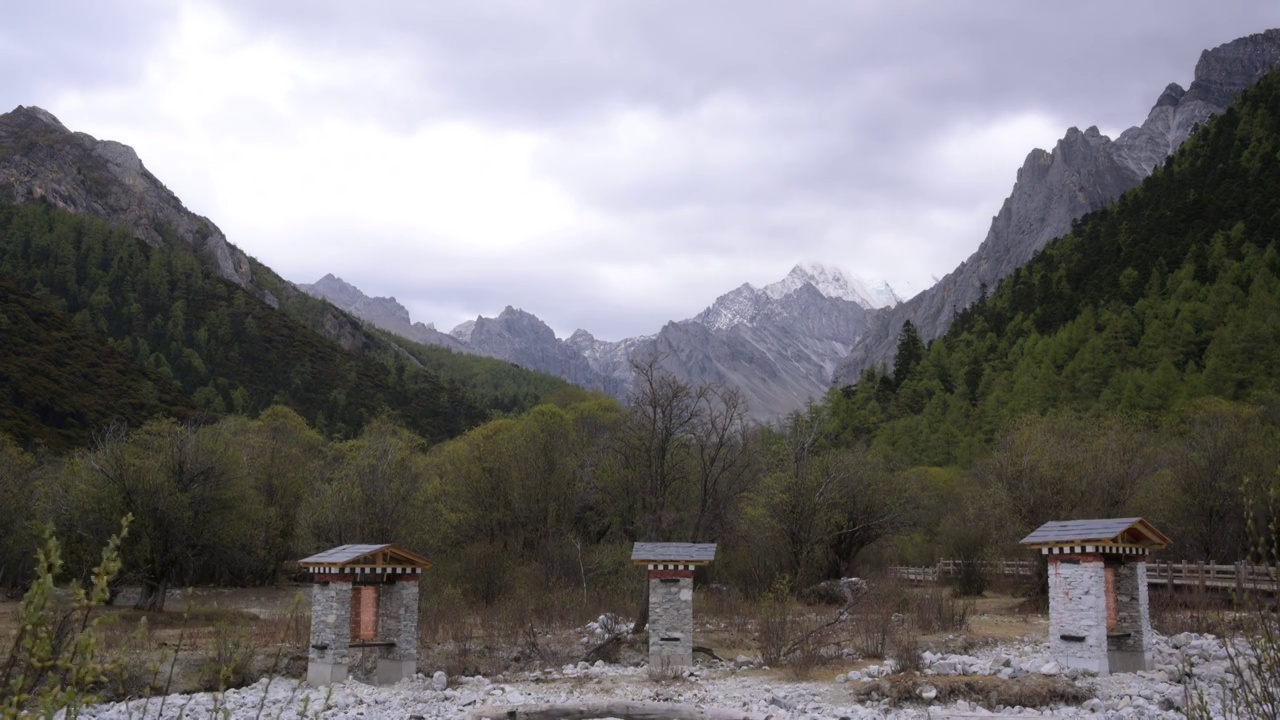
(391, 672)
(659, 661)
(1122, 661)
(323, 673)
(1098, 666)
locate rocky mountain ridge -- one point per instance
(778, 344)
(40, 159)
(1085, 172)
(382, 312)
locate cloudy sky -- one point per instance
(607, 164)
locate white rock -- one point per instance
(928, 692)
(439, 680)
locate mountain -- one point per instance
(778, 344)
(40, 159)
(141, 308)
(611, 360)
(43, 161)
(1084, 172)
(1152, 306)
(833, 283)
(382, 312)
(522, 338)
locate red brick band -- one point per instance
(669, 574)
(1079, 557)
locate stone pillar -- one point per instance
(1129, 643)
(330, 632)
(1078, 612)
(670, 617)
(398, 623)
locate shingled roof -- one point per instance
(693, 553)
(365, 557)
(1132, 531)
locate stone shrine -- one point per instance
(364, 596)
(1099, 618)
(670, 568)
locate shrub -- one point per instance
(53, 659)
(878, 617)
(904, 648)
(228, 661)
(774, 623)
(933, 609)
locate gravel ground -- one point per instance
(1182, 661)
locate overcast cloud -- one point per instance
(606, 164)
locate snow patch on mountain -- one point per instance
(833, 283)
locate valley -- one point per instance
(180, 424)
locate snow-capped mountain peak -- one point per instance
(833, 283)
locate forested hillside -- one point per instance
(1172, 294)
(190, 331)
(59, 382)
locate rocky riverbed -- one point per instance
(1184, 665)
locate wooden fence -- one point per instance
(1239, 577)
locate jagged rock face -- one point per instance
(41, 159)
(463, 331)
(779, 345)
(521, 338)
(612, 360)
(1086, 171)
(380, 312)
(779, 352)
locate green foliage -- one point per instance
(910, 353)
(197, 340)
(53, 659)
(59, 381)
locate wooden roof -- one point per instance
(686, 553)
(365, 558)
(1109, 532)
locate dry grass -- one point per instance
(522, 630)
(205, 639)
(1031, 691)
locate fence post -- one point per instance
(1239, 581)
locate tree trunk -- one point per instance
(616, 709)
(151, 598)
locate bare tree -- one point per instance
(655, 440)
(720, 442)
(676, 442)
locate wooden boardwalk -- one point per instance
(1238, 577)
